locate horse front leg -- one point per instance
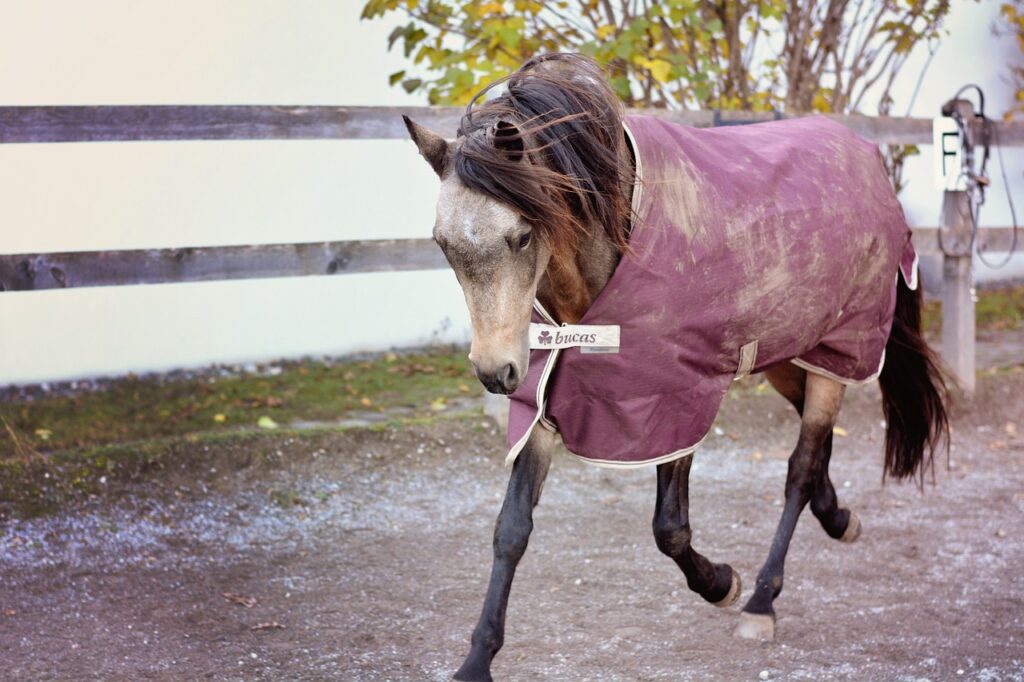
(822, 399)
(716, 583)
(511, 535)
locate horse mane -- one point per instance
(559, 112)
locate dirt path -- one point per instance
(372, 548)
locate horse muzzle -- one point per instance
(503, 379)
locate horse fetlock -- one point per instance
(477, 665)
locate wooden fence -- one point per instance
(56, 124)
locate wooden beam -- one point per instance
(990, 239)
(25, 124)
(958, 289)
(171, 122)
(33, 272)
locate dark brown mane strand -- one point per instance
(569, 123)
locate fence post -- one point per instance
(957, 289)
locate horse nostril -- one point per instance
(509, 376)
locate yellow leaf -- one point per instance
(840, 431)
(605, 31)
(491, 8)
(366, 401)
(219, 418)
(266, 423)
(660, 69)
(44, 434)
(438, 404)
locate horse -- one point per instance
(620, 272)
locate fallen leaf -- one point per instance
(241, 600)
(756, 455)
(1011, 429)
(840, 431)
(10, 612)
(219, 418)
(464, 388)
(269, 625)
(365, 401)
(438, 404)
(266, 422)
(44, 434)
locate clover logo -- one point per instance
(545, 337)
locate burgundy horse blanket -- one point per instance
(750, 246)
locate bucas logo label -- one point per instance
(575, 338)
(588, 337)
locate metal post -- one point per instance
(957, 289)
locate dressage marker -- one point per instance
(621, 272)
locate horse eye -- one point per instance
(524, 241)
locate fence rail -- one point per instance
(77, 269)
(32, 124)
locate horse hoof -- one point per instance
(853, 529)
(734, 592)
(758, 626)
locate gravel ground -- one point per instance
(372, 548)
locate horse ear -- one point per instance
(508, 139)
(432, 146)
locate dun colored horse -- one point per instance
(620, 272)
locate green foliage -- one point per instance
(752, 54)
(1013, 15)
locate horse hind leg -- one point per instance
(718, 584)
(822, 399)
(840, 523)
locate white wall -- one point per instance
(134, 195)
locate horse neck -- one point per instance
(567, 291)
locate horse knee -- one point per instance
(510, 539)
(672, 537)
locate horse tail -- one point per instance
(914, 393)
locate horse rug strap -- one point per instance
(589, 338)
